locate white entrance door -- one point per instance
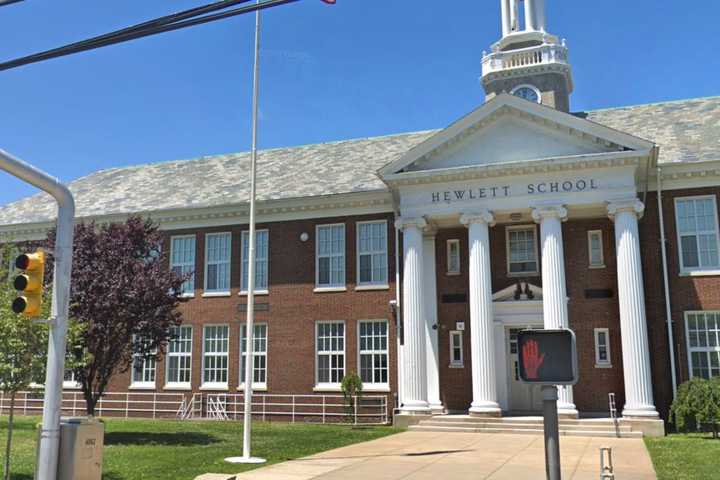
(523, 398)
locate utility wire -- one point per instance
(177, 21)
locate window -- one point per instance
(372, 253)
(456, 349)
(215, 356)
(182, 260)
(703, 338)
(70, 380)
(259, 354)
(179, 357)
(602, 347)
(143, 372)
(453, 257)
(522, 250)
(261, 260)
(330, 256)
(373, 350)
(217, 262)
(330, 353)
(697, 232)
(595, 249)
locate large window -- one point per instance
(217, 262)
(522, 250)
(182, 260)
(215, 356)
(602, 348)
(261, 260)
(143, 370)
(373, 351)
(330, 256)
(372, 253)
(179, 357)
(260, 337)
(703, 339)
(697, 232)
(330, 353)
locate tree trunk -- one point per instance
(9, 436)
(90, 404)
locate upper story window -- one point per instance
(143, 372)
(522, 250)
(595, 249)
(373, 352)
(216, 340)
(697, 228)
(261, 259)
(330, 343)
(260, 338)
(217, 262)
(179, 357)
(453, 257)
(602, 347)
(703, 340)
(330, 256)
(182, 260)
(372, 253)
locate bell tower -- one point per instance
(527, 61)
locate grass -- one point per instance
(685, 456)
(174, 450)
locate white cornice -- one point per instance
(679, 175)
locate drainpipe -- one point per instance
(668, 309)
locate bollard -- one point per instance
(606, 469)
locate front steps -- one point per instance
(603, 427)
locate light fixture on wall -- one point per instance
(304, 237)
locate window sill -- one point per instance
(256, 387)
(456, 365)
(603, 365)
(523, 274)
(142, 386)
(327, 388)
(453, 274)
(597, 267)
(700, 273)
(329, 289)
(215, 294)
(369, 288)
(257, 292)
(71, 386)
(376, 389)
(178, 387)
(187, 295)
(215, 387)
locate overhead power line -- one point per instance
(176, 21)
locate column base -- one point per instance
(415, 407)
(485, 409)
(437, 408)
(645, 413)
(650, 427)
(567, 411)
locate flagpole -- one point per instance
(249, 331)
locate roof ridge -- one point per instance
(649, 104)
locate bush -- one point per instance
(697, 402)
(351, 386)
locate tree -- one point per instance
(352, 387)
(123, 299)
(23, 347)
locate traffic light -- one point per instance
(29, 283)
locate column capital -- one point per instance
(482, 216)
(404, 223)
(630, 205)
(541, 212)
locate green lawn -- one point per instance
(173, 450)
(685, 456)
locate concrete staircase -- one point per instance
(602, 427)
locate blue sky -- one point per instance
(359, 68)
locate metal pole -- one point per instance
(50, 430)
(249, 333)
(552, 434)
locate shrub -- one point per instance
(697, 402)
(351, 386)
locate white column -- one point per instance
(482, 345)
(505, 9)
(514, 16)
(415, 397)
(540, 15)
(555, 311)
(530, 15)
(431, 324)
(633, 324)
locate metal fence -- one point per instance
(366, 409)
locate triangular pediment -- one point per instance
(521, 292)
(508, 130)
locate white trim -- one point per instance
(596, 334)
(207, 292)
(448, 246)
(531, 87)
(599, 234)
(700, 273)
(330, 287)
(371, 386)
(690, 271)
(372, 253)
(243, 293)
(259, 290)
(214, 385)
(690, 350)
(179, 385)
(256, 385)
(142, 386)
(329, 386)
(191, 292)
(529, 273)
(453, 363)
(216, 294)
(361, 288)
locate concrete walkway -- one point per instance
(458, 456)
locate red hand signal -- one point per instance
(532, 360)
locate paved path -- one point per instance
(459, 456)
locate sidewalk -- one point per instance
(458, 456)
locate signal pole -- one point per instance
(50, 431)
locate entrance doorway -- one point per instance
(523, 399)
